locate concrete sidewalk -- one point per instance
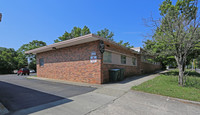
(140, 103)
(89, 102)
(117, 99)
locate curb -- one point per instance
(173, 98)
(185, 101)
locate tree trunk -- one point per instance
(181, 75)
(181, 68)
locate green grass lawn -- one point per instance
(167, 84)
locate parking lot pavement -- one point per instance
(18, 92)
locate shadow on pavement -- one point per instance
(16, 98)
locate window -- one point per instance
(134, 61)
(123, 59)
(41, 61)
(107, 57)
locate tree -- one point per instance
(154, 49)
(21, 60)
(126, 44)
(105, 33)
(177, 32)
(75, 32)
(32, 64)
(85, 31)
(8, 60)
(31, 45)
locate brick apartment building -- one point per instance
(88, 59)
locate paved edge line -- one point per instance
(173, 98)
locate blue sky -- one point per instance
(45, 20)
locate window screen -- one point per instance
(134, 61)
(123, 59)
(107, 57)
(41, 61)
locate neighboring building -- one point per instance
(147, 63)
(88, 59)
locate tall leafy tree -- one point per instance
(126, 44)
(75, 32)
(177, 33)
(8, 60)
(85, 31)
(154, 49)
(21, 60)
(31, 45)
(105, 33)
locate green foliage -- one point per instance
(22, 57)
(182, 7)
(31, 45)
(10, 60)
(75, 32)
(32, 64)
(105, 33)
(126, 44)
(177, 33)
(167, 84)
(2, 48)
(155, 49)
(22, 60)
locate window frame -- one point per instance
(109, 58)
(135, 59)
(41, 62)
(123, 61)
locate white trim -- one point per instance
(75, 41)
(129, 59)
(120, 64)
(119, 53)
(136, 61)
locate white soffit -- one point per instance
(66, 43)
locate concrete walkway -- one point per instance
(140, 103)
(115, 98)
(89, 102)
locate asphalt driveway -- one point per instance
(18, 92)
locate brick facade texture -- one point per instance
(73, 64)
(149, 68)
(129, 70)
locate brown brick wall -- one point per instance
(149, 68)
(72, 64)
(129, 70)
